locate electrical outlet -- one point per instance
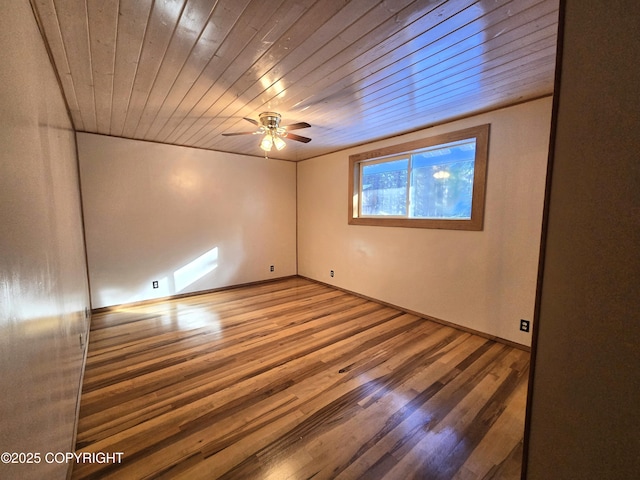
(155, 284)
(272, 268)
(331, 273)
(524, 325)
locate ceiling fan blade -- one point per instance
(255, 122)
(297, 138)
(296, 126)
(238, 133)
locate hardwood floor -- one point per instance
(296, 380)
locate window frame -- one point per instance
(475, 223)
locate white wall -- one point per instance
(483, 280)
(43, 279)
(192, 219)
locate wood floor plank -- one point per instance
(295, 379)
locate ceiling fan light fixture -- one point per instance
(272, 133)
(267, 142)
(279, 142)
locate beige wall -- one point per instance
(585, 395)
(481, 280)
(191, 219)
(43, 281)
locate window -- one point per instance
(437, 182)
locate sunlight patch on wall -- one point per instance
(195, 270)
(168, 285)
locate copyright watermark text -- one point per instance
(61, 457)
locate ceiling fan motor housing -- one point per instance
(270, 120)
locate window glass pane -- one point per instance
(437, 182)
(442, 182)
(384, 188)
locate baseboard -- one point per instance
(185, 295)
(427, 317)
(381, 302)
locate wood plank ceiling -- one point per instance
(184, 72)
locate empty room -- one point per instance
(318, 239)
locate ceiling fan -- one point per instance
(273, 133)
